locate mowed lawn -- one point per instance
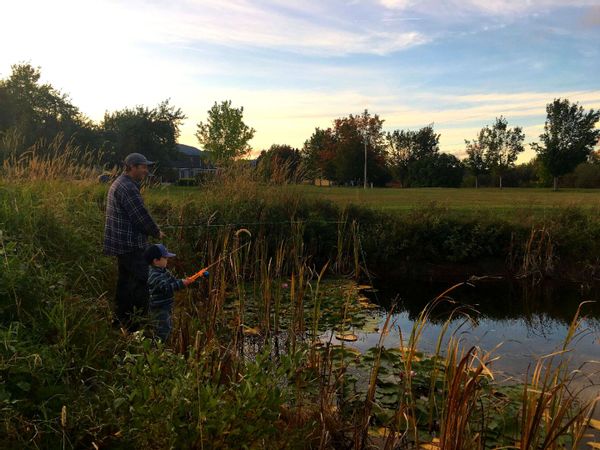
(508, 203)
(463, 200)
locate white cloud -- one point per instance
(493, 8)
(110, 54)
(251, 24)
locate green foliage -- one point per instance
(67, 379)
(175, 402)
(224, 133)
(151, 131)
(415, 159)
(476, 160)
(436, 170)
(280, 164)
(569, 137)
(496, 148)
(31, 111)
(585, 176)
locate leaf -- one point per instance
(251, 331)
(595, 424)
(24, 385)
(593, 444)
(378, 432)
(348, 337)
(433, 445)
(118, 402)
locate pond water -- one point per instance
(528, 320)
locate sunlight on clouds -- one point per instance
(111, 54)
(238, 23)
(291, 116)
(494, 8)
(397, 4)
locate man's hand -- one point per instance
(161, 235)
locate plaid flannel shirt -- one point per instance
(128, 222)
(162, 286)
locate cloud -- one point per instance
(486, 7)
(309, 29)
(592, 17)
(290, 117)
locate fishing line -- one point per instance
(236, 224)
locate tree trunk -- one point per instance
(476, 182)
(500, 182)
(556, 183)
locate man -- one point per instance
(128, 225)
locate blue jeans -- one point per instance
(161, 314)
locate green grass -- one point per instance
(512, 204)
(461, 200)
(69, 380)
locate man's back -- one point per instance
(128, 223)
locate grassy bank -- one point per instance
(249, 364)
(508, 204)
(523, 232)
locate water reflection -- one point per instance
(529, 320)
(495, 299)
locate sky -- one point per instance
(297, 65)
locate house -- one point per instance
(191, 162)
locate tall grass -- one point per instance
(57, 159)
(248, 364)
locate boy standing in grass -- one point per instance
(162, 286)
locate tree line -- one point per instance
(32, 113)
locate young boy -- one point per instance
(162, 286)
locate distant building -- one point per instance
(192, 161)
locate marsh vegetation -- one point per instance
(264, 353)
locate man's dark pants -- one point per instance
(131, 298)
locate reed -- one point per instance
(249, 361)
(58, 159)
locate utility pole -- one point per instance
(365, 174)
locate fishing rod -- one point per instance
(204, 272)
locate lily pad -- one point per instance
(347, 337)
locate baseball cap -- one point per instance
(134, 159)
(157, 251)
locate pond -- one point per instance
(529, 320)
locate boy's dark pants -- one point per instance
(131, 298)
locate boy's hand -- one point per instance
(187, 281)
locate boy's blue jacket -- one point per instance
(162, 285)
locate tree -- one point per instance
(568, 139)
(426, 142)
(338, 153)
(400, 145)
(476, 160)
(33, 112)
(279, 164)
(153, 132)
(318, 154)
(406, 148)
(225, 134)
(500, 146)
(355, 135)
(437, 170)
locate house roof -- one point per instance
(189, 150)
